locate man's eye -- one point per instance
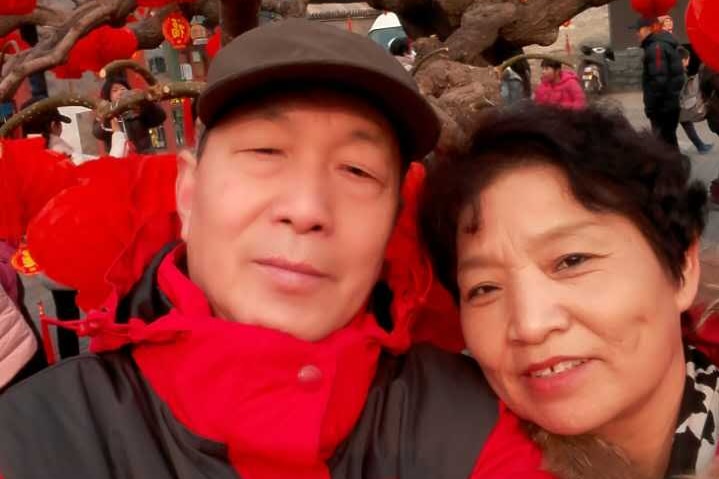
(266, 151)
(481, 290)
(357, 171)
(571, 261)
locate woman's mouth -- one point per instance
(557, 368)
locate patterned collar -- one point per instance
(695, 440)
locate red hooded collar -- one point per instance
(280, 404)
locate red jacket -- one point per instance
(565, 93)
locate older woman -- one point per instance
(569, 242)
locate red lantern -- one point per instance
(652, 8)
(97, 49)
(176, 30)
(702, 31)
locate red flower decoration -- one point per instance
(97, 49)
(652, 8)
(92, 229)
(30, 176)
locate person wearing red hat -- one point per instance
(273, 340)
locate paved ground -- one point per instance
(704, 168)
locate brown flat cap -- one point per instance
(301, 52)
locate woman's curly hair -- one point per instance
(609, 166)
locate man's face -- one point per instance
(287, 215)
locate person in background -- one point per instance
(402, 51)
(129, 132)
(559, 87)
(693, 107)
(662, 78)
(49, 126)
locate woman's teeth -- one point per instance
(558, 368)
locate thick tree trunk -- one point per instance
(463, 39)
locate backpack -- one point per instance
(692, 104)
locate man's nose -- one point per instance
(305, 205)
(536, 311)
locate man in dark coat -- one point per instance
(662, 78)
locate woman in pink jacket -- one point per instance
(559, 87)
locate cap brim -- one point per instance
(418, 126)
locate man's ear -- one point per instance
(691, 273)
(185, 188)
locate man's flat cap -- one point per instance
(276, 56)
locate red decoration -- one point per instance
(176, 30)
(18, 43)
(30, 176)
(99, 221)
(653, 8)
(17, 7)
(702, 22)
(23, 262)
(97, 49)
(214, 43)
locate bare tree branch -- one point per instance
(109, 70)
(104, 109)
(148, 31)
(41, 107)
(52, 49)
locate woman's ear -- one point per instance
(185, 188)
(691, 273)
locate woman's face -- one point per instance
(570, 314)
(116, 91)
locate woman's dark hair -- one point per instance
(554, 64)
(609, 166)
(107, 86)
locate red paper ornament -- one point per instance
(97, 49)
(702, 31)
(652, 8)
(176, 30)
(17, 7)
(214, 43)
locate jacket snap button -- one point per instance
(310, 376)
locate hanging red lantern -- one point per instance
(707, 15)
(176, 30)
(97, 49)
(652, 8)
(702, 31)
(17, 7)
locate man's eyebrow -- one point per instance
(552, 234)
(363, 135)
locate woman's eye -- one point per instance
(571, 261)
(481, 291)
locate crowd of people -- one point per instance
(297, 325)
